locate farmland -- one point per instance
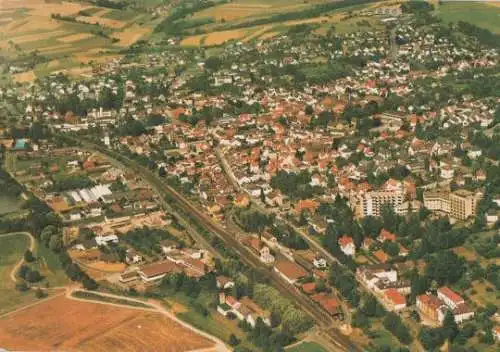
(66, 324)
(479, 14)
(36, 33)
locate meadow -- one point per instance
(485, 15)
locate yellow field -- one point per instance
(193, 40)
(217, 38)
(131, 35)
(75, 37)
(21, 33)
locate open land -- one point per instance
(66, 324)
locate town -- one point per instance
(346, 183)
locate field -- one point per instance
(242, 11)
(480, 14)
(65, 324)
(11, 251)
(307, 347)
(484, 293)
(49, 266)
(27, 27)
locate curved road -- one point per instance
(220, 346)
(21, 261)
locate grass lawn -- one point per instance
(485, 294)
(307, 347)
(214, 324)
(11, 250)
(49, 266)
(480, 14)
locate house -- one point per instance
(395, 300)
(386, 236)
(328, 303)
(245, 309)
(132, 257)
(319, 262)
(309, 288)
(347, 246)
(381, 256)
(367, 243)
(289, 271)
(450, 298)
(224, 282)
(428, 305)
(265, 255)
(496, 333)
(371, 274)
(103, 240)
(155, 272)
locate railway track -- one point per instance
(321, 318)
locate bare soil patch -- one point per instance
(64, 324)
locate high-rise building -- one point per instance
(460, 204)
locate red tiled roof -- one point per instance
(387, 235)
(290, 269)
(309, 287)
(450, 294)
(381, 256)
(345, 241)
(394, 296)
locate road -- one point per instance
(322, 319)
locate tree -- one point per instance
(89, 283)
(23, 270)
(39, 293)
(28, 256)
(33, 276)
(445, 267)
(450, 327)
(55, 243)
(22, 286)
(233, 340)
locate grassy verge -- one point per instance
(97, 297)
(48, 264)
(307, 347)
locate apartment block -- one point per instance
(460, 204)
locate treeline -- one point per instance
(173, 25)
(69, 183)
(484, 36)
(117, 5)
(313, 11)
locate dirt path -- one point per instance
(220, 346)
(21, 261)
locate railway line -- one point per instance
(321, 318)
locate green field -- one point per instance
(47, 262)
(11, 251)
(482, 15)
(307, 347)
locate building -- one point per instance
(450, 298)
(371, 203)
(395, 300)
(460, 204)
(347, 246)
(289, 271)
(156, 272)
(428, 305)
(463, 203)
(437, 201)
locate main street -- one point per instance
(321, 318)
